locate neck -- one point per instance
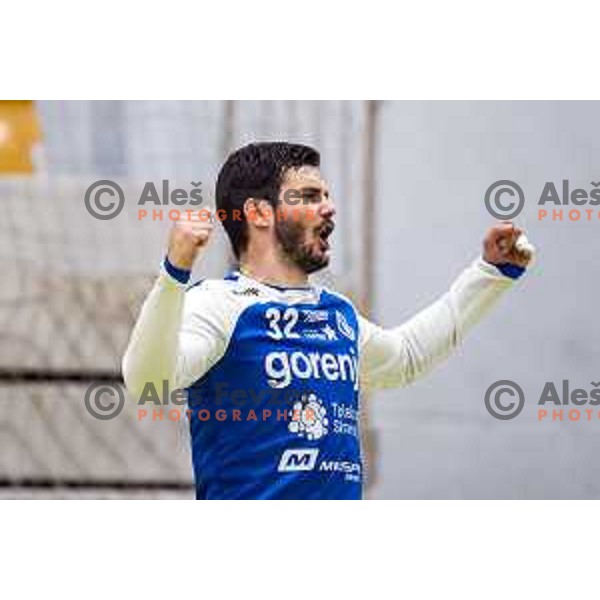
(268, 266)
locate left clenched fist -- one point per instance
(506, 243)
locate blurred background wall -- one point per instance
(409, 179)
(436, 160)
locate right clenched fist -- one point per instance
(187, 237)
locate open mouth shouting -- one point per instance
(323, 232)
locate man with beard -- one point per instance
(272, 365)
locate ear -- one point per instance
(259, 212)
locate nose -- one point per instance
(328, 209)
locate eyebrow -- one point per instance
(311, 189)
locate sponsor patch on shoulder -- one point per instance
(344, 326)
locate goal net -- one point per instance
(72, 284)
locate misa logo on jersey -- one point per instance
(350, 470)
(298, 459)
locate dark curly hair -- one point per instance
(256, 171)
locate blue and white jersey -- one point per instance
(281, 400)
(273, 374)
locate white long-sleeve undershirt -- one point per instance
(179, 335)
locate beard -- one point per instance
(297, 248)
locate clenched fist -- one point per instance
(502, 245)
(187, 237)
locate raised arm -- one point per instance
(396, 357)
(169, 341)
